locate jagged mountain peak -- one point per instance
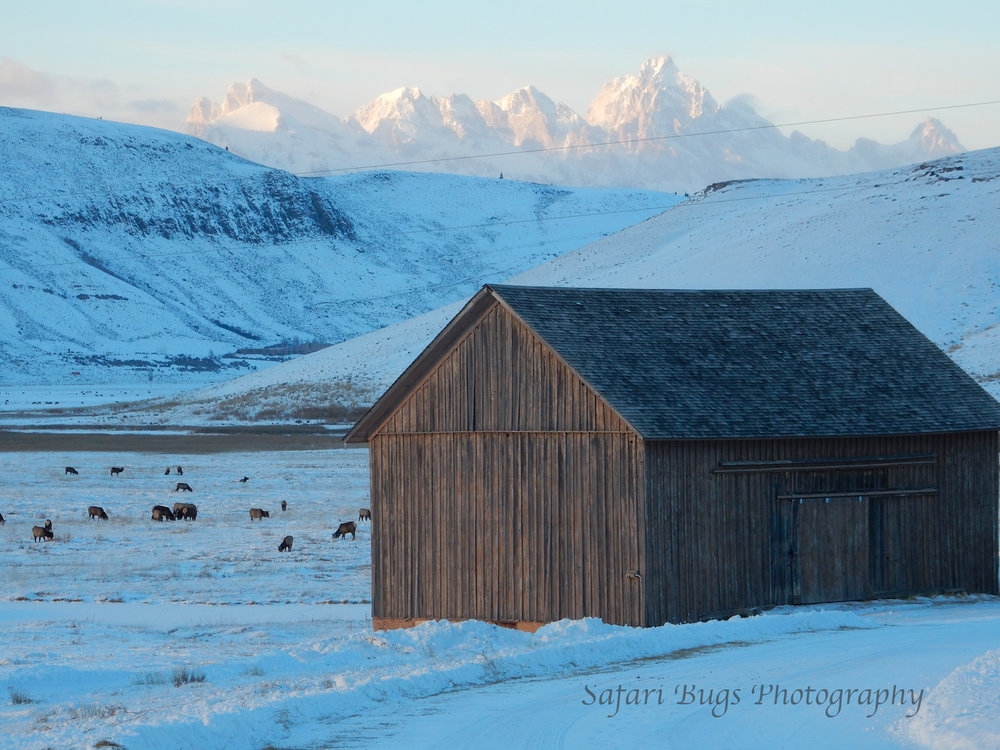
(526, 96)
(656, 65)
(931, 135)
(242, 94)
(659, 99)
(531, 118)
(253, 106)
(393, 107)
(403, 94)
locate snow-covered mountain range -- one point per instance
(659, 129)
(134, 253)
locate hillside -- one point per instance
(924, 237)
(130, 254)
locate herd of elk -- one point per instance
(189, 511)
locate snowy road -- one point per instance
(673, 698)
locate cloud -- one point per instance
(18, 81)
(20, 86)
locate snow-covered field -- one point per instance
(202, 635)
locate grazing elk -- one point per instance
(41, 532)
(258, 514)
(96, 511)
(162, 512)
(245, 479)
(167, 472)
(183, 486)
(185, 511)
(364, 514)
(284, 505)
(71, 470)
(347, 527)
(286, 544)
(116, 470)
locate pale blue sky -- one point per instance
(148, 60)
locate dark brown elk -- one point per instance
(347, 527)
(257, 514)
(96, 511)
(180, 470)
(186, 511)
(364, 514)
(167, 472)
(116, 470)
(48, 524)
(71, 470)
(245, 479)
(183, 486)
(286, 544)
(284, 505)
(2, 519)
(163, 513)
(41, 532)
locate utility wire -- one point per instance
(629, 141)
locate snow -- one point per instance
(923, 237)
(201, 634)
(132, 253)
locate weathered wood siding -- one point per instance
(506, 527)
(733, 525)
(504, 489)
(501, 377)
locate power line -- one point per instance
(630, 141)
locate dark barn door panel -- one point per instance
(830, 556)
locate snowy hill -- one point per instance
(135, 254)
(641, 130)
(924, 237)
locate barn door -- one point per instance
(830, 555)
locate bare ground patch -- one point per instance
(171, 439)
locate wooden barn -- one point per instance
(650, 456)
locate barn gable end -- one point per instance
(499, 376)
(494, 461)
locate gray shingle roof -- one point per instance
(755, 363)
